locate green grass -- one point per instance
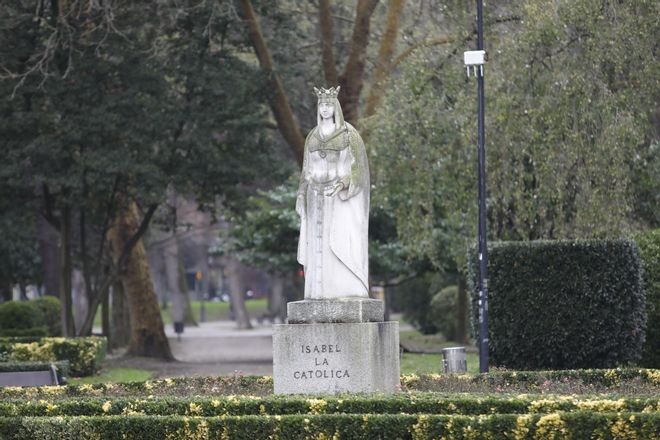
(432, 363)
(214, 311)
(114, 375)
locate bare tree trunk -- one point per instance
(297, 293)
(387, 299)
(276, 300)
(237, 294)
(147, 331)
(279, 102)
(6, 293)
(66, 269)
(327, 42)
(120, 334)
(105, 316)
(188, 315)
(385, 52)
(50, 258)
(352, 78)
(462, 311)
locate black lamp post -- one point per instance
(475, 60)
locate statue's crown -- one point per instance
(324, 93)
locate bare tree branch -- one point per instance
(327, 40)
(279, 102)
(352, 78)
(385, 52)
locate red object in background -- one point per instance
(301, 272)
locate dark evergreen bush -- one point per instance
(20, 315)
(413, 297)
(40, 317)
(50, 309)
(563, 304)
(649, 249)
(444, 310)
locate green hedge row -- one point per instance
(39, 317)
(424, 403)
(577, 425)
(563, 304)
(20, 332)
(637, 380)
(649, 250)
(84, 354)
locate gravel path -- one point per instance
(212, 349)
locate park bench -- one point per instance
(46, 376)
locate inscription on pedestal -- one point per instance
(324, 365)
(335, 358)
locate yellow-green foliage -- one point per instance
(403, 403)
(84, 354)
(578, 425)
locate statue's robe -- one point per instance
(333, 244)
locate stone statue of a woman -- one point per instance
(333, 204)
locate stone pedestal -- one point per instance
(335, 346)
(335, 310)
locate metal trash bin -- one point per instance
(453, 360)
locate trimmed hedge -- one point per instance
(32, 332)
(418, 403)
(39, 317)
(563, 304)
(84, 354)
(640, 382)
(649, 249)
(578, 425)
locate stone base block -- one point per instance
(311, 311)
(336, 358)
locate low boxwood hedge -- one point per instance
(20, 332)
(563, 304)
(577, 425)
(84, 354)
(402, 403)
(642, 382)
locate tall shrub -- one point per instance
(649, 249)
(563, 304)
(21, 318)
(444, 310)
(50, 308)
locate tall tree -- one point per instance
(568, 123)
(109, 109)
(351, 77)
(147, 333)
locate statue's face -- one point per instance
(326, 109)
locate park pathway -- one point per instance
(211, 349)
(221, 341)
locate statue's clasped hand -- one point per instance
(331, 190)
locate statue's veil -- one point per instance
(338, 116)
